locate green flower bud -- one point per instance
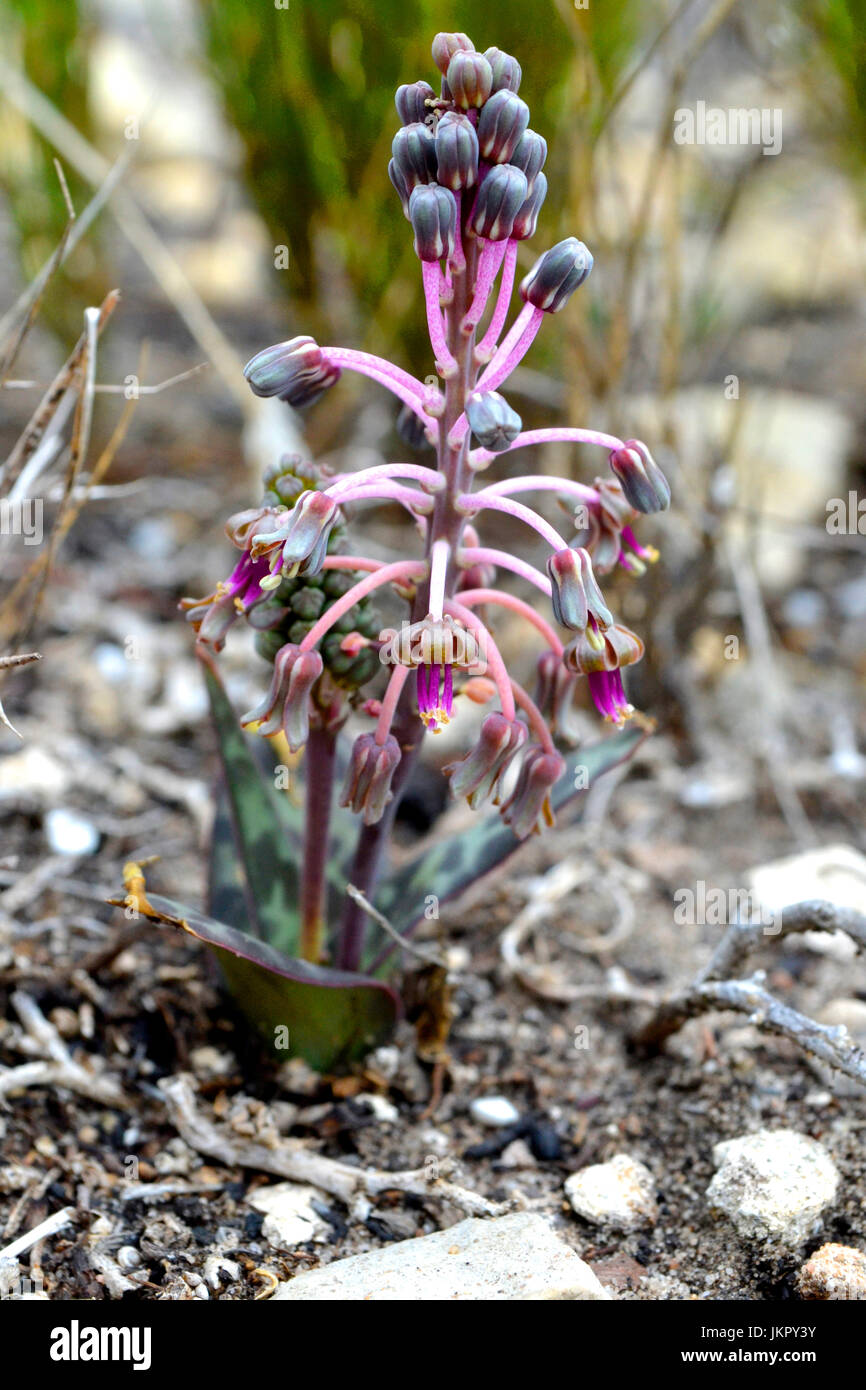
(307, 603)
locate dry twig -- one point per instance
(293, 1160)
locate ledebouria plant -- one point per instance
(467, 169)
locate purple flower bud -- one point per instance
(528, 809)
(303, 534)
(492, 420)
(643, 482)
(603, 534)
(411, 430)
(456, 151)
(501, 194)
(575, 594)
(556, 275)
(478, 774)
(297, 371)
(554, 696)
(414, 152)
(287, 703)
(501, 124)
(367, 788)
(400, 185)
(527, 216)
(470, 79)
(530, 155)
(506, 70)
(411, 100)
(446, 45)
(433, 214)
(593, 650)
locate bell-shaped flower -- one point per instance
(433, 214)
(528, 809)
(302, 535)
(411, 101)
(527, 215)
(507, 72)
(444, 47)
(211, 617)
(530, 154)
(413, 150)
(367, 788)
(478, 774)
(575, 593)
(286, 706)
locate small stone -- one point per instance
(833, 872)
(511, 1258)
(494, 1111)
(290, 1218)
(382, 1109)
(619, 1194)
(773, 1185)
(834, 1272)
(209, 1062)
(619, 1271)
(68, 832)
(516, 1155)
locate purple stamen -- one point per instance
(447, 692)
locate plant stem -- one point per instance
(446, 524)
(320, 760)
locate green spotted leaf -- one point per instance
(261, 889)
(329, 1017)
(257, 842)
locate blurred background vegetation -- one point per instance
(252, 126)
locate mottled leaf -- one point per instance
(269, 856)
(329, 1017)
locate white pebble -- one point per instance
(494, 1111)
(68, 832)
(620, 1194)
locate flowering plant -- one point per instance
(468, 171)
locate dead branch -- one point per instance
(293, 1160)
(829, 1044)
